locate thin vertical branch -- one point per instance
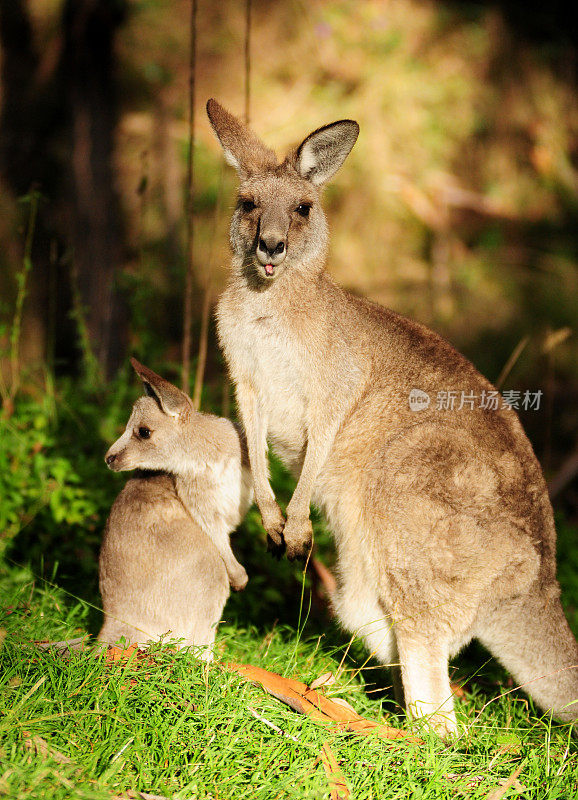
(207, 298)
(226, 397)
(247, 62)
(203, 340)
(549, 390)
(188, 302)
(510, 363)
(92, 370)
(52, 295)
(565, 474)
(33, 199)
(226, 400)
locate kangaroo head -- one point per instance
(156, 431)
(278, 224)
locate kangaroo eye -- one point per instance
(303, 209)
(144, 433)
(248, 206)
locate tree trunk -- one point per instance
(96, 231)
(57, 126)
(24, 119)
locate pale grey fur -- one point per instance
(166, 561)
(442, 520)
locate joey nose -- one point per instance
(110, 459)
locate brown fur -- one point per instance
(442, 521)
(166, 562)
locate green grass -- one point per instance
(176, 728)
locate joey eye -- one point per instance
(303, 209)
(248, 206)
(144, 433)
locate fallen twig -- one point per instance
(271, 725)
(325, 576)
(337, 784)
(497, 794)
(40, 747)
(66, 647)
(304, 700)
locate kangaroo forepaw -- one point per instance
(298, 552)
(239, 580)
(298, 535)
(274, 523)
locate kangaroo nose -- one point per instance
(110, 459)
(271, 247)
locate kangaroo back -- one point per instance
(160, 574)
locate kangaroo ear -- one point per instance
(243, 150)
(170, 399)
(321, 154)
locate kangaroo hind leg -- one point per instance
(426, 683)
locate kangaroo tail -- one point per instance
(532, 639)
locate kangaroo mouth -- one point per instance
(268, 270)
(269, 263)
(261, 273)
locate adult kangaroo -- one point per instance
(441, 517)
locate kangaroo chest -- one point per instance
(260, 351)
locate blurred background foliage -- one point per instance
(458, 206)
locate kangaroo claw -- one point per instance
(275, 547)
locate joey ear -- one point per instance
(321, 154)
(170, 399)
(243, 149)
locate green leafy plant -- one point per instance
(9, 387)
(38, 485)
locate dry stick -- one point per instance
(301, 698)
(517, 352)
(325, 576)
(9, 394)
(549, 409)
(497, 794)
(564, 476)
(272, 725)
(247, 61)
(40, 747)
(226, 402)
(202, 357)
(335, 777)
(207, 298)
(188, 304)
(203, 339)
(226, 399)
